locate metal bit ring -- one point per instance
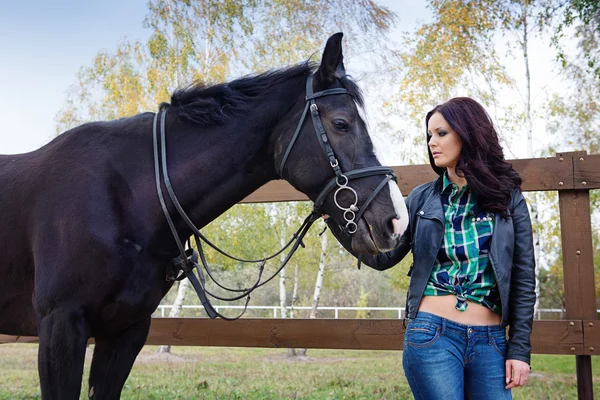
(351, 227)
(352, 206)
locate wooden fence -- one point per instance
(572, 174)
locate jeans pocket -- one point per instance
(499, 344)
(421, 335)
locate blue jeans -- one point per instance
(443, 359)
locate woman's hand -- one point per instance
(517, 373)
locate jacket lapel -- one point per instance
(432, 207)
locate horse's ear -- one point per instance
(332, 62)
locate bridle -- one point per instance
(188, 259)
(341, 179)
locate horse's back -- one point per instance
(53, 202)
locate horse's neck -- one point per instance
(216, 177)
(220, 165)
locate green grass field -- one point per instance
(236, 373)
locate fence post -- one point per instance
(578, 264)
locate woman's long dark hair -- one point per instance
(481, 160)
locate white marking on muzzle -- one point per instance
(400, 207)
(397, 198)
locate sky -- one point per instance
(43, 44)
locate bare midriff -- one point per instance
(444, 306)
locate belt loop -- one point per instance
(443, 332)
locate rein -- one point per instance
(188, 259)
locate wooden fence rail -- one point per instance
(572, 174)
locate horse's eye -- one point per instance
(340, 125)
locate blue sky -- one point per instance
(43, 44)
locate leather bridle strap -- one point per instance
(188, 259)
(186, 263)
(354, 174)
(341, 179)
(352, 213)
(373, 194)
(319, 130)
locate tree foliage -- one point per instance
(575, 112)
(584, 17)
(453, 53)
(208, 41)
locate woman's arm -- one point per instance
(522, 285)
(380, 262)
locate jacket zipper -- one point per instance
(410, 270)
(493, 264)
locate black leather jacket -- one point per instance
(511, 256)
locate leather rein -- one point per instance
(185, 264)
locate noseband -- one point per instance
(188, 261)
(352, 213)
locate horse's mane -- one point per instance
(203, 104)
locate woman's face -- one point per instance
(444, 144)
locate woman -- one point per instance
(473, 270)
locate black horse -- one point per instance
(84, 243)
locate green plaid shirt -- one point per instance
(462, 267)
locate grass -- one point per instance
(238, 373)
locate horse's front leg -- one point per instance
(63, 336)
(113, 360)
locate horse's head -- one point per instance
(330, 157)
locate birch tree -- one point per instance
(319, 280)
(176, 308)
(573, 114)
(294, 291)
(282, 274)
(523, 18)
(452, 55)
(318, 284)
(291, 352)
(206, 41)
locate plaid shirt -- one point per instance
(462, 267)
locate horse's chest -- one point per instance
(135, 301)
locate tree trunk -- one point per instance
(282, 276)
(294, 292)
(318, 284)
(177, 306)
(291, 352)
(529, 126)
(320, 274)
